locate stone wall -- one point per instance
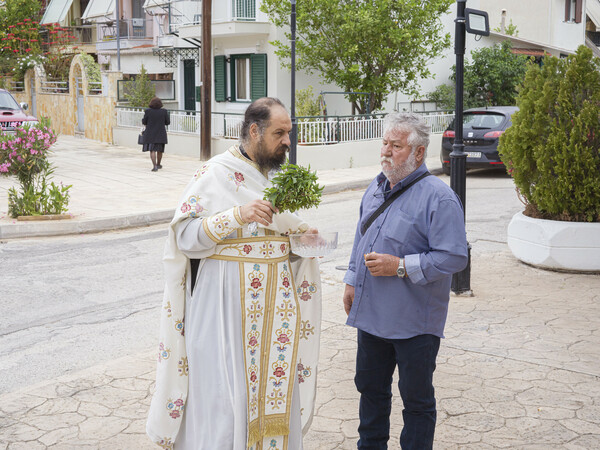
(99, 111)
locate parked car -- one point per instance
(12, 114)
(481, 129)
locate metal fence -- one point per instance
(54, 87)
(311, 130)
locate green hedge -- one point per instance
(552, 148)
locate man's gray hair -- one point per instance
(411, 123)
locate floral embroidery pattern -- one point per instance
(279, 370)
(175, 408)
(163, 352)
(306, 329)
(182, 367)
(255, 311)
(221, 225)
(168, 309)
(247, 249)
(192, 208)
(179, 326)
(267, 250)
(166, 443)
(283, 248)
(305, 290)
(273, 445)
(303, 372)
(201, 171)
(256, 278)
(238, 179)
(276, 399)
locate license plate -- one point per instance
(473, 154)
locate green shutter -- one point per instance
(258, 76)
(220, 78)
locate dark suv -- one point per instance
(481, 129)
(12, 115)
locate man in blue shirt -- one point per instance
(398, 285)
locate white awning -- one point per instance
(592, 9)
(99, 8)
(56, 11)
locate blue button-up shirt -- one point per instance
(425, 225)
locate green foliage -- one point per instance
(92, 68)
(378, 46)
(306, 103)
(510, 30)
(294, 188)
(552, 149)
(25, 156)
(444, 97)
(491, 78)
(140, 90)
(39, 198)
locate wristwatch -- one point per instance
(401, 270)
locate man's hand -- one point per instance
(382, 264)
(348, 298)
(260, 211)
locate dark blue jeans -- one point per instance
(376, 361)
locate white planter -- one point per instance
(554, 244)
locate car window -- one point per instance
(482, 120)
(7, 101)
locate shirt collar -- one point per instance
(384, 183)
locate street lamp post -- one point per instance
(294, 134)
(475, 22)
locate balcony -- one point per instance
(132, 33)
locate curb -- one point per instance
(66, 227)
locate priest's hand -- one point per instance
(348, 298)
(260, 211)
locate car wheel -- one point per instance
(446, 169)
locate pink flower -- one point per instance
(286, 282)
(255, 283)
(283, 338)
(247, 249)
(185, 207)
(279, 372)
(239, 177)
(252, 342)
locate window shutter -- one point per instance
(258, 75)
(578, 11)
(220, 78)
(568, 10)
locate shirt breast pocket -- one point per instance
(398, 231)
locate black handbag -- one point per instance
(141, 136)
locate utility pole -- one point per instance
(118, 13)
(475, 22)
(205, 101)
(294, 135)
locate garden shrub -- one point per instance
(552, 149)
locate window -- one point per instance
(240, 78)
(573, 10)
(244, 10)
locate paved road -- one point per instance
(519, 367)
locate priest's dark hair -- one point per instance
(155, 103)
(259, 112)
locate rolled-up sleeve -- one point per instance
(447, 252)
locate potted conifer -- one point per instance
(552, 151)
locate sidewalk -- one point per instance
(113, 187)
(518, 368)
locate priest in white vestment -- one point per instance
(240, 322)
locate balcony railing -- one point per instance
(128, 29)
(594, 36)
(311, 130)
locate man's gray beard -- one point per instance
(395, 174)
(266, 162)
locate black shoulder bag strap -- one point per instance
(388, 202)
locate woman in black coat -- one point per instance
(155, 136)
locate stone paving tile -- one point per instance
(518, 370)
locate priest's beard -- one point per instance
(269, 160)
(396, 173)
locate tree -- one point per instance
(551, 149)
(376, 46)
(491, 78)
(140, 90)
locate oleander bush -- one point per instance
(552, 149)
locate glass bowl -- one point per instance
(313, 245)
